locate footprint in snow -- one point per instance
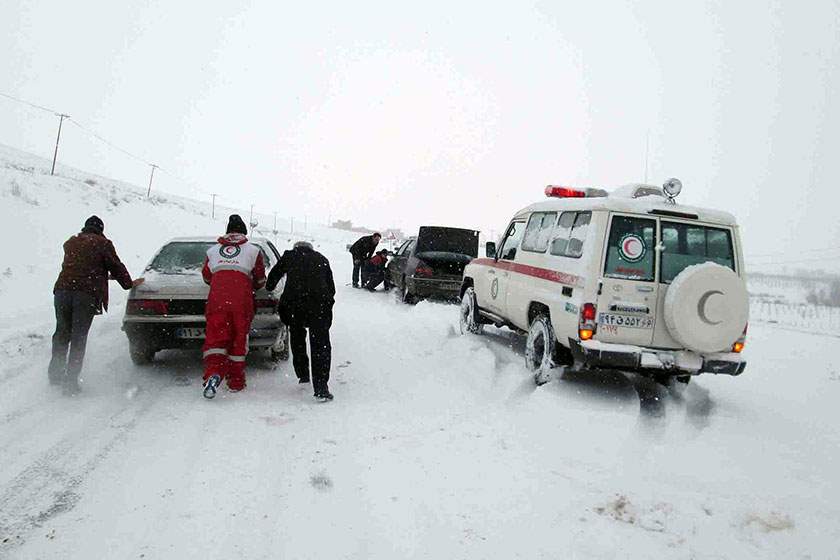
(321, 482)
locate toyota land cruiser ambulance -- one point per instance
(625, 280)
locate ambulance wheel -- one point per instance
(141, 353)
(469, 313)
(539, 349)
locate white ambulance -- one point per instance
(625, 280)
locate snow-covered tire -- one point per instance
(707, 308)
(470, 322)
(539, 349)
(141, 354)
(406, 295)
(278, 353)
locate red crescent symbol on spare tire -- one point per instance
(701, 307)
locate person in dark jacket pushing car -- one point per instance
(81, 292)
(306, 304)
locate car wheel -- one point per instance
(469, 313)
(539, 349)
(141, 353)
(281, 354)
(407, 296)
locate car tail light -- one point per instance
(265, 305)
(588, 325)
(147, 307)
(738, 347)
(423, 270)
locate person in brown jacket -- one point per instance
(81, 292)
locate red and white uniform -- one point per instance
(234, 269)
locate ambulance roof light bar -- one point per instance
(557, 191)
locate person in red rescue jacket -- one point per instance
(234, 269)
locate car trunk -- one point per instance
(447, 251)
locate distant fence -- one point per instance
(795, 315)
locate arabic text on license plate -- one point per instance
(190, 333)
(629, 321)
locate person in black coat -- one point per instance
(306, 303)
(362, 250)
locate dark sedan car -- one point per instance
(432, 264)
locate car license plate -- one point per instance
(630, 321)
(190, 332)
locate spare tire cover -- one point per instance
(707, 308)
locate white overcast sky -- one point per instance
(448, 113)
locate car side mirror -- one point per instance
(490, 250)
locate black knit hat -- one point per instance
(95, 223)
(236, 225)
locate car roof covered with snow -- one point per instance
(630, 199)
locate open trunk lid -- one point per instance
(447, 251)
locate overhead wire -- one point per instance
(25, 102)
(109, 143)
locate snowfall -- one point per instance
(436, 446)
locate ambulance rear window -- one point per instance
(690, 244)
(630, 250)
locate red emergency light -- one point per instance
(564, 192)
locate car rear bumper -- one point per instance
(595, 354)
(434, 287)
(162, 332)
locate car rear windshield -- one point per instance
(180, 257)
(689, 244)
(448, 240)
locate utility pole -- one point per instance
(61, 117)
(251, 219)
(213, 207)
(275, 223)
(151, 177)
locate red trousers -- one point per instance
(230, 310)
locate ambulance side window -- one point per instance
(511, 243)
(538, 231)
(570, 235)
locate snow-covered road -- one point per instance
(437, 445)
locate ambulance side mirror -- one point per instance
(490, 250)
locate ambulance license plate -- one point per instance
(630, 321)
(190, 332)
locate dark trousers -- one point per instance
(357, 267)
(74, 313)
(319, 344)
(374, 278)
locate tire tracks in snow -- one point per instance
(50, 485)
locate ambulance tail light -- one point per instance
(147, 307)
(587, 325)
(738, 347)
